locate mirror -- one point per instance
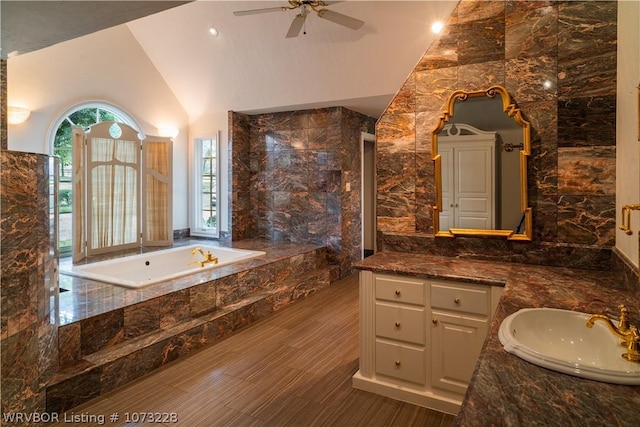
(480, 149)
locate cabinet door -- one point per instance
(456, 344)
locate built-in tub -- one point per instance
(146, 269)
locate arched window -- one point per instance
(60, 136)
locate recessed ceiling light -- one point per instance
(437, 26)
(213, 31)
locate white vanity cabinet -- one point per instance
(420, 338)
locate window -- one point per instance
(83, 115)
(205, 218)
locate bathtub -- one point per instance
(146, 269)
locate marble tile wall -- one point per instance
(519, 45)
(290, 173)
(29, 258)
(242, 224)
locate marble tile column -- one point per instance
(29, 280)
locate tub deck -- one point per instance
(88, 298)
(110, 335)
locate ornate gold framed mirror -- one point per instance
(480, 149)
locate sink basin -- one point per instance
(560, 340)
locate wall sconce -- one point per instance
(17, 115)
(168, 131)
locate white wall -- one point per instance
(105, 66)
(627, 144)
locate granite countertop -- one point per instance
(506, 390)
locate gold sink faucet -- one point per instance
(208, 258)
(627, 332)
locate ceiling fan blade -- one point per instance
(265, 10)
(340, 19)
(296, 25)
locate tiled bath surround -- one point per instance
(519, 45)
(109, 336)
(296, 178)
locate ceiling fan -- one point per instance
(305, 7)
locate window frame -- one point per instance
(122, 115)
(103, 105)
(195, 220)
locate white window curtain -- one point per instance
(113, 180)
(113, 167)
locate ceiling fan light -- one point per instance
(305, 7)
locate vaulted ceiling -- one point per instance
(250, 66)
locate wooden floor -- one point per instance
(293, 368)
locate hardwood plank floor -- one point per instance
(293, 368)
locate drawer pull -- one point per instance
(434, 321)
(397, 363)
(397, 324)
(397, 292)
(456, 300)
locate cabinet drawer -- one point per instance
(462, 298)
(400, 289)
(400, 323)
(401, 362)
